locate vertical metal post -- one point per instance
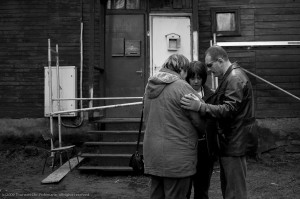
(212, 75)
(214, 43)
(58, 97)
(50, 95)
(195, 30)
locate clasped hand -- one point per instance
(191, 102)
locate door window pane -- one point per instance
(123, 4)
(118, 4)
(133, 4)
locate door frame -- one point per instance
(146, 41)
(151, 15)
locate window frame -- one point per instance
(236, 11)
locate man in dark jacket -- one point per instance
(232, 107)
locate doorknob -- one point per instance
(140, 72)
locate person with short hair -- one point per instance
(196, 77)
(233, 108)
(171, 132)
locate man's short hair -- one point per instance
(176, 62)
(197, 68)
(216, 52)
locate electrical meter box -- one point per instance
(67, 89)
(173, 41)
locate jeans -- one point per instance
(169, 188)
(233, 172)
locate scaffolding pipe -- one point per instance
(269, 83)
(58, 96)
(81, 67)
(101, 98)
(97, 108)
(50, 92)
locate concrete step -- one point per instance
(106, 168)
(107, 159)
(116, 135)
(112, 147)
(118, 123)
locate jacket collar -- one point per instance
(231, 67)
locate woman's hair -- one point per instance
(216, 52)
(176, 62)
(197, 68)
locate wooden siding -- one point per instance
(263, 20)
(25, 26)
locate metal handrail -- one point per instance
(269, 83)
(96, 108)
(101, 98)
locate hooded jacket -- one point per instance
(171, 133)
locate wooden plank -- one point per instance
(277, 31)
(291, 50)
(278, 106)
(276, 100)
(277, 11)
(278, 58)
(277, 113)
(289, 65)
(62, 171)
(279, 72)
(266, 18)
(277, 24)
(273, 1)
(273, 92)
(277, 37)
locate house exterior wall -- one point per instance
(263, 20)
(25, 27)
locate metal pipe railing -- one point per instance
(101, 98)
(97, 108)
(271, 84)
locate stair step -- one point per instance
(118, 123)
(99, 159)
(90, 155)
(115, 136)
(106, 168)
(111, 143)
(115, 132)
(112, 147)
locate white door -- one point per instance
(161, 28)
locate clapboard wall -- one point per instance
(263, 20)
(25, 26)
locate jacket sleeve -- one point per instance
(229, 99)
(196, 119)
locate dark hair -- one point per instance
(176, 62)
(216, 52)
(197, 68)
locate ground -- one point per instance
(276, 175)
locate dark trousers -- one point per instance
(201, 180)
(169, 188)
(233, 172)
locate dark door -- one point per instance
(125, 62)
